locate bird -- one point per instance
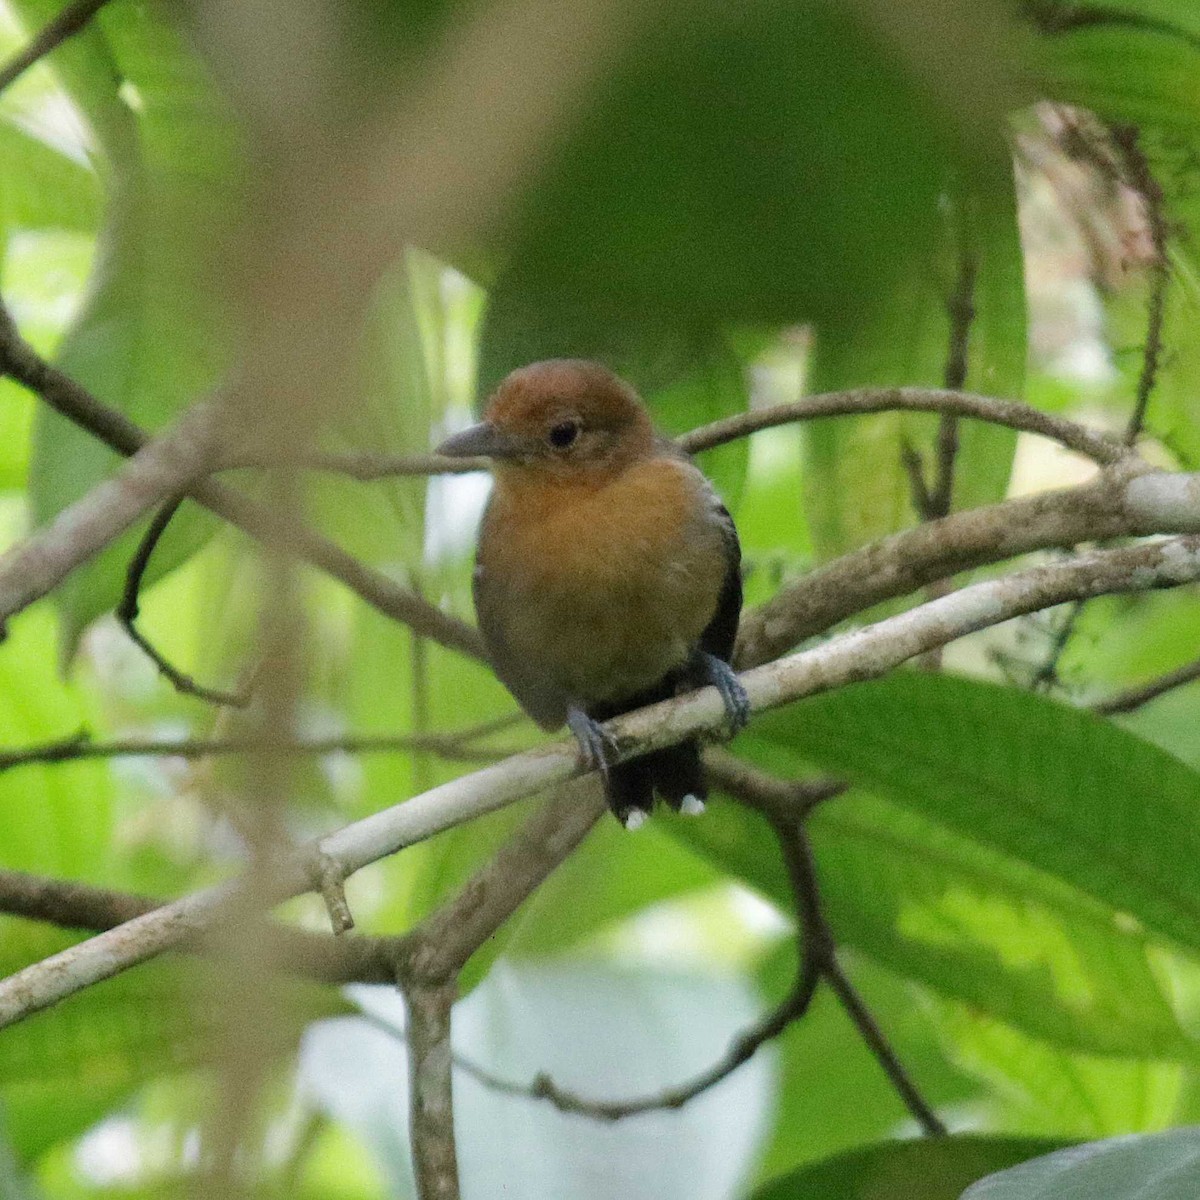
(607, 572)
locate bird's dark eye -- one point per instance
(563, 434)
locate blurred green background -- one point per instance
(749, 202)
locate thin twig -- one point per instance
(68, 23)
(1046, 676)
(127, 614)
(456, 746)
(802, 871)
(1135, 697)
(961, 309)
(1141, 179)
(870, 1032)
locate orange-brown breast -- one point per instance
(602, 589)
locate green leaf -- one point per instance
(933, 1169)
(960, 919)
(1163, 1166)
(1058, 788)
(857, 488)
(1038, 1088)
(1124, 73)
(42, 188)
(149, 339)
(833, 1097)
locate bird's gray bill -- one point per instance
(479, 441)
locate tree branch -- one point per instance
(1125, 501)
(430, 1088)
(860, 654)
(1141, 178)
(1012, 414)
(21, 362)
(128, 609)
(456, 745)
(1133, 698)
(68, 23)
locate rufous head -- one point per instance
(565, 418)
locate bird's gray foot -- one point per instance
(597, 749)
(720, 674)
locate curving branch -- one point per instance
(129, 608)
(1099, 447)
(851, 657)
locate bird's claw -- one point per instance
(597, 747)
(721, 675)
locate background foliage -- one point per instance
(752, 201)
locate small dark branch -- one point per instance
(740, 1051)
(69, 905)
(456, 746)
(960, 307)
(961, 310)
(789, 799)
(430, 1088)
(821, 950)
(68, 23)
(918, 490)
(1141, 178)
(941, 498)
(1046, 677)
(1134, 698)
(127, 613)
(319, 957)
(879, 1046)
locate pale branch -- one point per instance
(35, 566)
(20, 362)
(430, 1088)
(1133, 698)
(851, 657)
(69, 22)
(1124, 501)
(128, 609)
(454, 745)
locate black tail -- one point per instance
(674, 773)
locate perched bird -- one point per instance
(608, 571)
